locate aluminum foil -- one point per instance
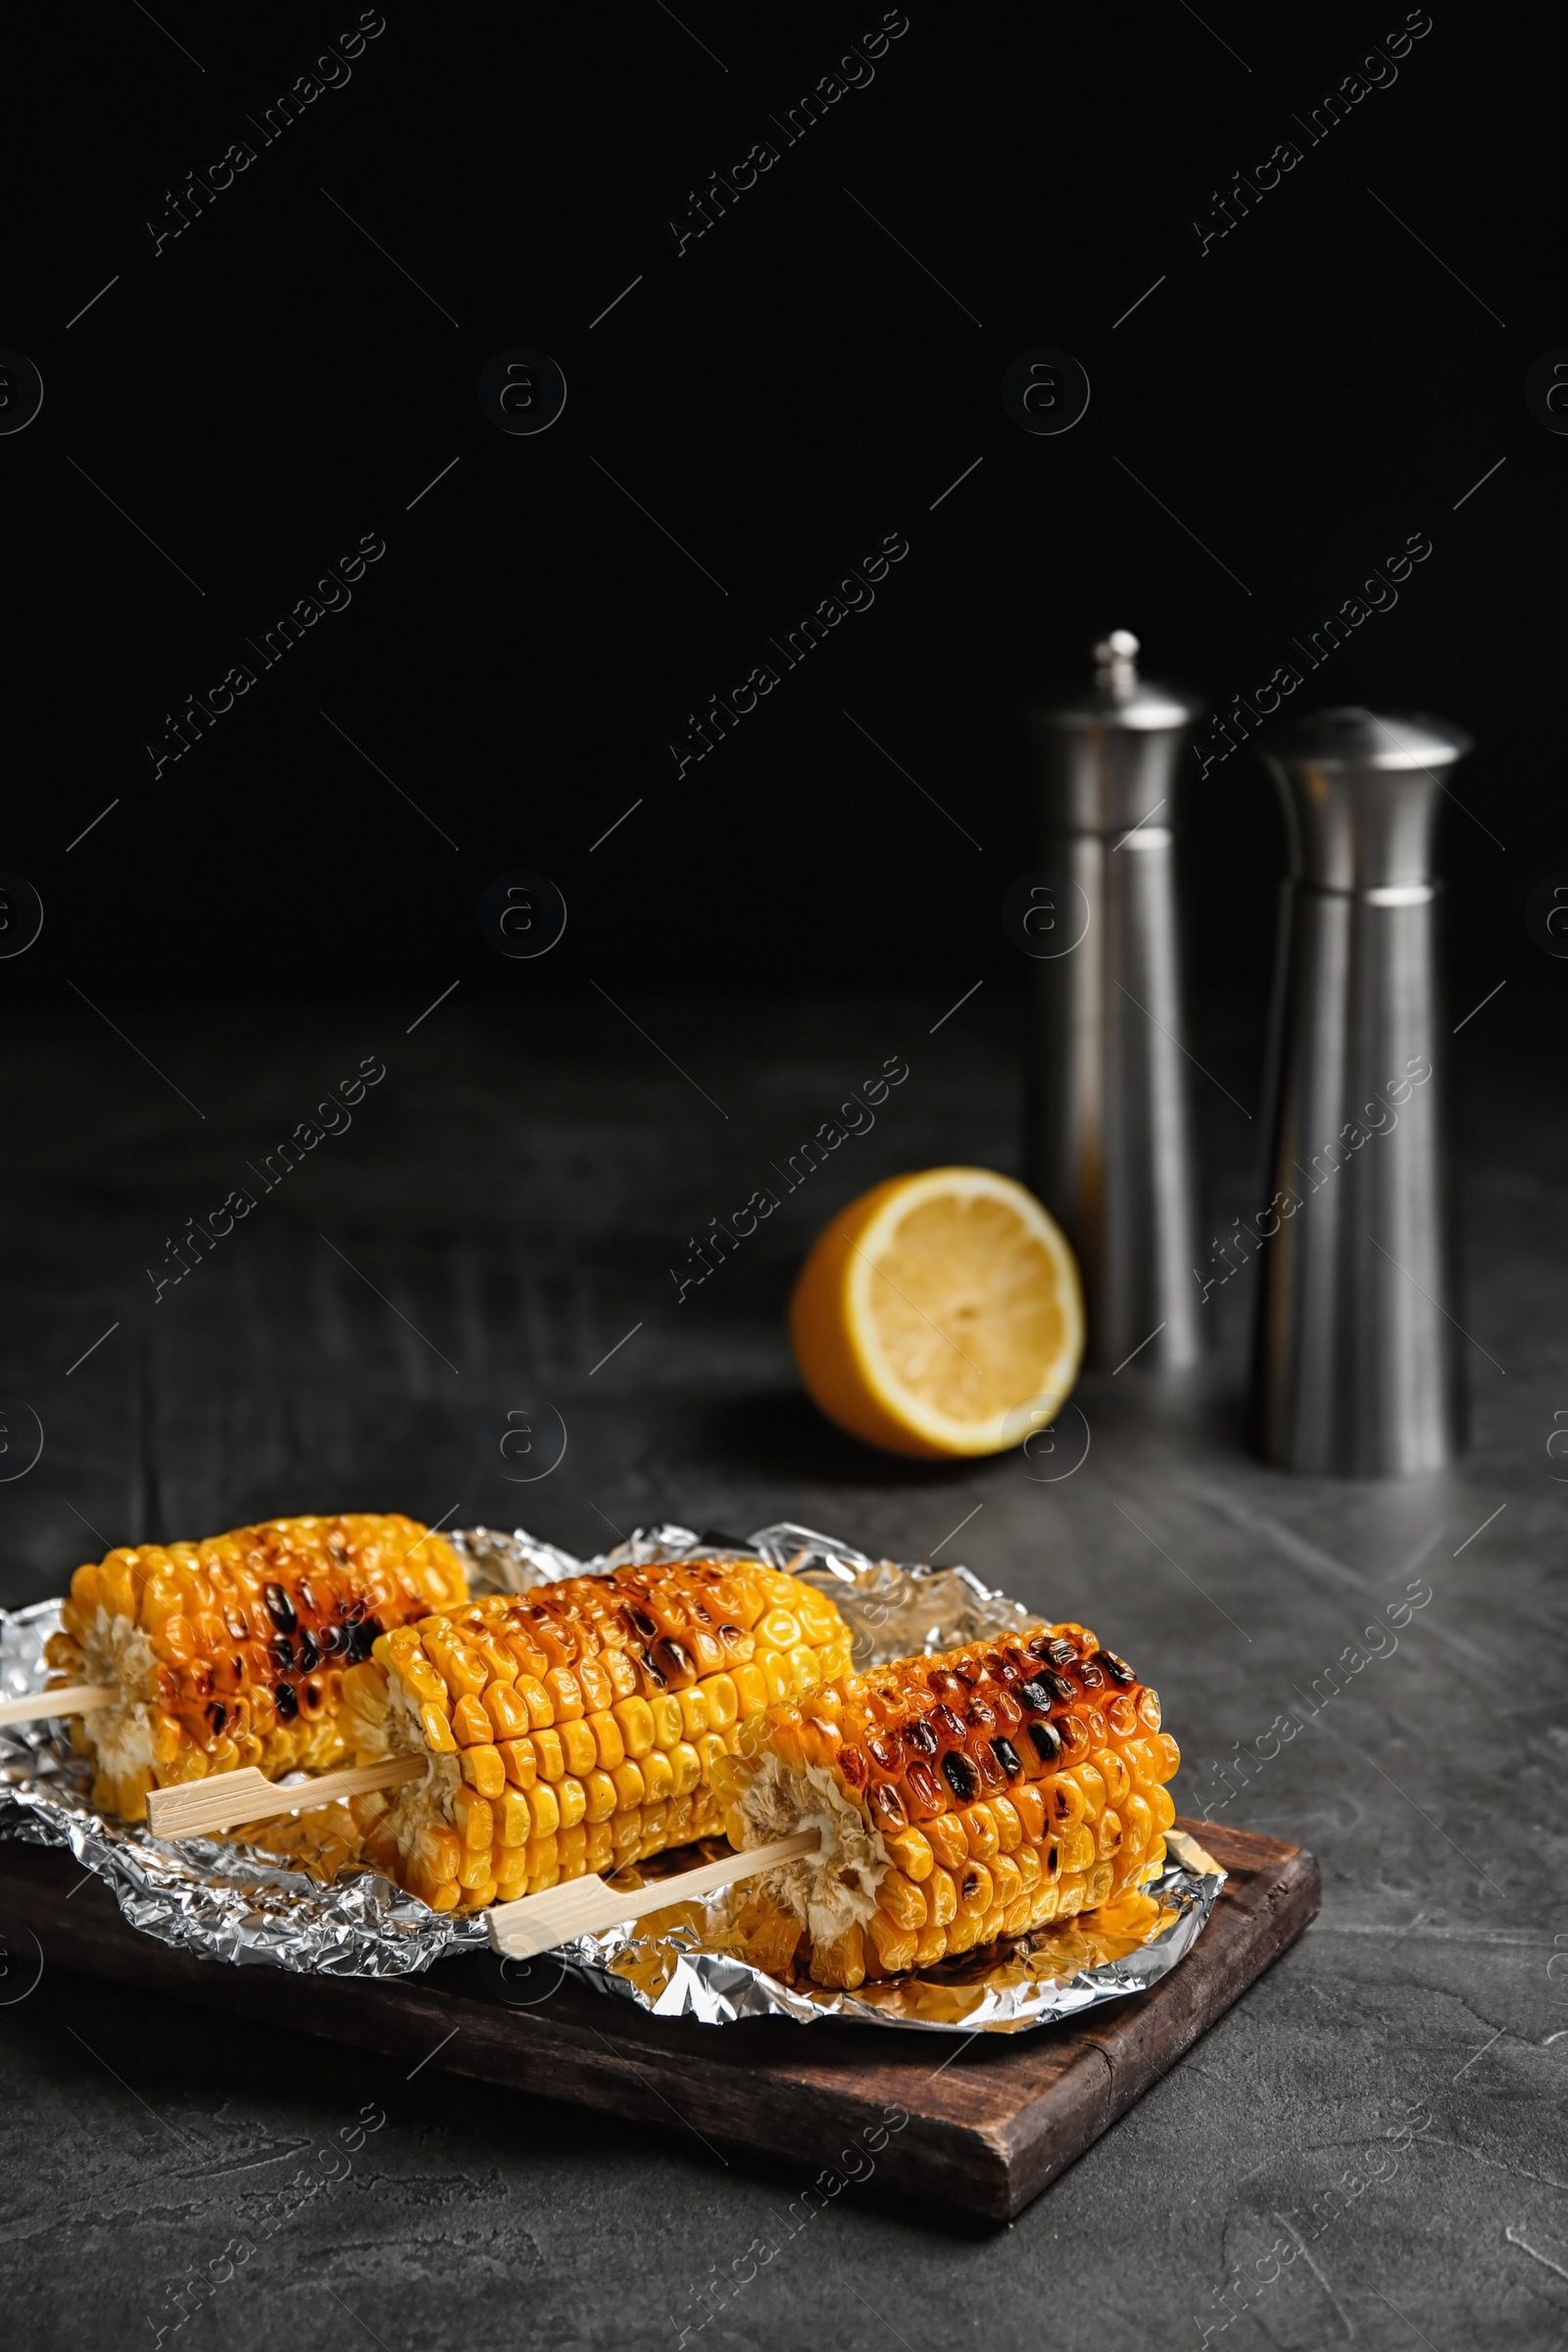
(296, 1897)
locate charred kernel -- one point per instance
(1089, 1677)
(886, 1750)
(970, 1884)
(676, 1671)
(286, 1700)
(1047, 1742)
(280, 1608)
(960, 1776)
(362, 1638)
(1057, 1686)
(978, 1716)
(280, 1650)
(926, 1787)
(887, 1808)
(1074, 1734)
(944, 1721)
(985, 1763)
(310, 1656)
(310, 1695)
(920, 1737)
(303, 1589)
(1007, 1756)
(216, 1716)
(1120, 1673)
(944, 1686)
(641, 1623)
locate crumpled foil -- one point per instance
(249, 1904)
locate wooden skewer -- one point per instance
(587, 1906)
(199, 1808)
(75, 1698)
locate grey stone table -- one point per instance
(497, 1229)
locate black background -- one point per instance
(792, 387)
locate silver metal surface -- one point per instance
(1356, 1366)
(1109, 1148)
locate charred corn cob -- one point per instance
(232, 1651)
(961, 1798)
(576, 1727)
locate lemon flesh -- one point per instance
(940, 1314)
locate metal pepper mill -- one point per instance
(1109, 1148)
(1356, 1366)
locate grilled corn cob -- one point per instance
(576, 1727)
(961, 1798)
(232, 1651)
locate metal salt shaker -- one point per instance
(1356, 1368)
(1109, 1146)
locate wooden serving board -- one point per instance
(986, 2132)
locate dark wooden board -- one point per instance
(985, 2134)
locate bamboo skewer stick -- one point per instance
(75, 1698)
(198, 1808)
(587, 1906)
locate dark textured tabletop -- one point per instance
(1369, 2148)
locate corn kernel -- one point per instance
(520, 1763)
(536, 1698)
(580, 1746)
(572, 1798)
(1010, 1830)
(805, 1667)
(693, 1709)
(903, 1900)
(475, 1870)
(564, 1693)
(980, 1830)
(513, 1819)
(895, 1944)
(687, 1766)
(658, 1778)
(470, 1723)
(607, 1739)
(723, 1701)
(601, 1793)
(483, 1770)
(573, 1857)
(665, 1712)
(911, 1851)
(636, 1725)
(437, 1732)
(710, 1749)
(475, 1822)
(629, 1783)
(545, 1873)
(507, 1713)
(948, 1841)
(547, 1747)
(544, 1811)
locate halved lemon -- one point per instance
(940, 1314)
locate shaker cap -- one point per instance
(1118, 697)
(1355, 737)
(1360, 791)
(1107, 752)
